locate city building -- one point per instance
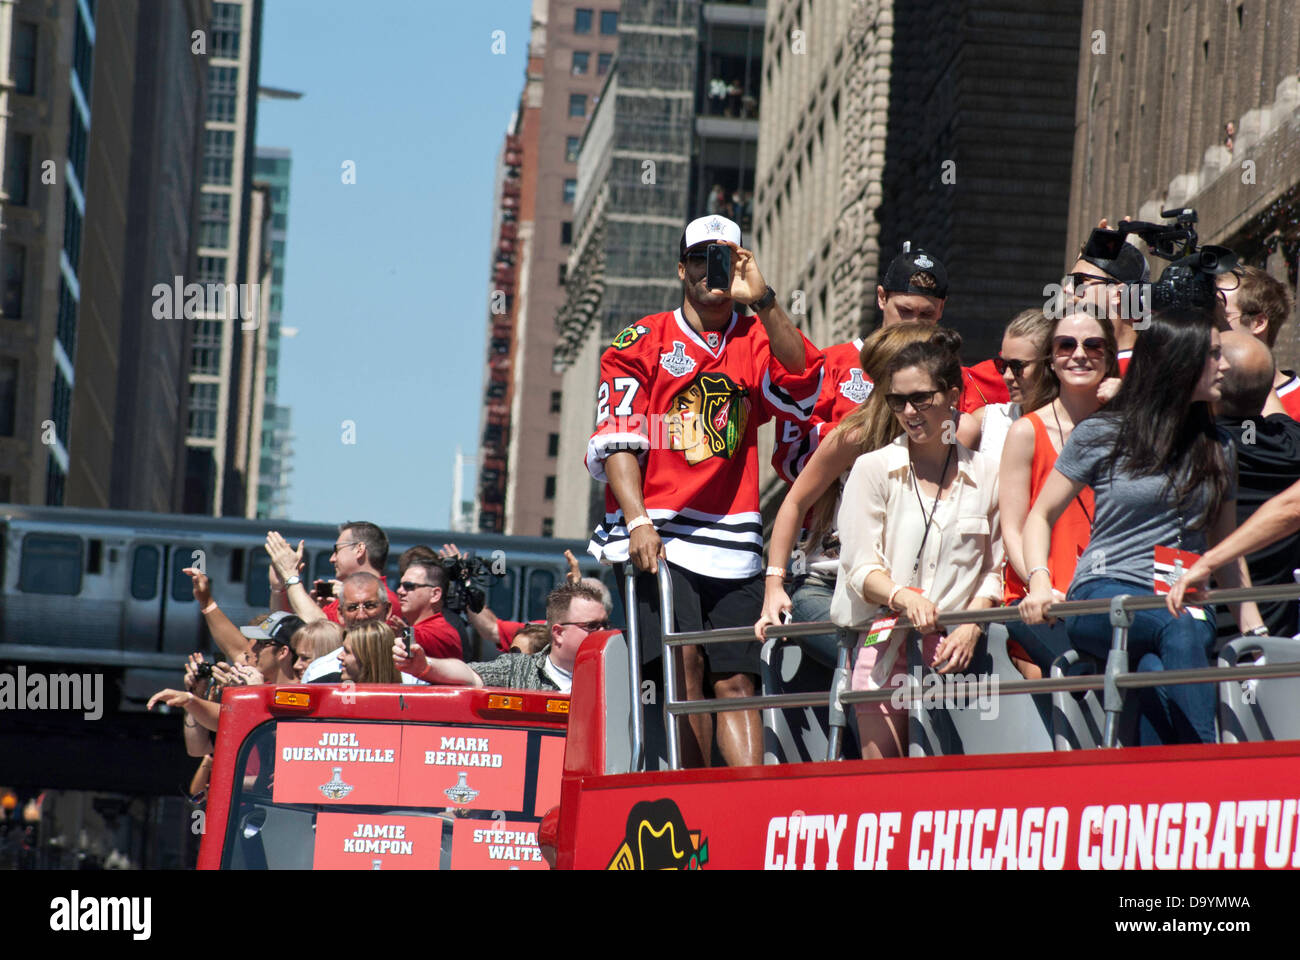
(1201, 112)
(675, 135)
(214, 482)
(271, 489)
(571, 49)
(100, 158)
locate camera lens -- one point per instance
(1209, 260)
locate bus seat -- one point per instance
(1078, 720)
(1255, 710)
(795, 734)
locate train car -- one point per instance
(106, 589)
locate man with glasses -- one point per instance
(574, 611)
(421, 591)
(360, 547)
(363, 598)
(1101, 285)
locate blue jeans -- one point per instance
(810, 603)
(1156, 641)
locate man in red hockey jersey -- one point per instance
(679, 402)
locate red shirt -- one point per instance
(844, 387)
(1289, 394)
(982, 385)
(438, 638)
(506, 630)
(331, 609)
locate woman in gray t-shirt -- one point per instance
(1164, 476)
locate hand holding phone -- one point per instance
(717, 273)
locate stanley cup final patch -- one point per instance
(855, 388)
(924, 262)
(677, 363)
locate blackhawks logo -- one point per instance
(708, 418)
(657, 838)
(629, 336)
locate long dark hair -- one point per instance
(1160, 430)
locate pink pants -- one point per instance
(884, 665)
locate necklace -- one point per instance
(916, 487)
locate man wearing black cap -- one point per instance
(1102, 285)
(272, 648)
(914, 287)
(679, 402)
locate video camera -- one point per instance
(1190, 280)
(466, 579)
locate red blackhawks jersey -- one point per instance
(689, 405)
(844, 387)
(1289, 394)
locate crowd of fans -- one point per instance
(1099, 453)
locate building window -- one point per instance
(18, 159)
(223, 93)
(218, 157)
(205, 349)
(580, 60)
(582, 20)
(550, 488)
(566, 232)
(553, 445)
(71, 230)
(23, 58)
(225, 30)
(214, 219)
(65, 329)
(603, 60)
(60, 405)
(609, 22)
(570, 190)
(83, 54)
(203, 410)
(78, 136)
(556, 396)
(15, 275)
(6, 488)
(8, 395)
(548, 526)
(571, 149)
(577, 104)
(212, 270)
(564, 274)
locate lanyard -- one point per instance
(933, 510)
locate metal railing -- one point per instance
(1113, 682)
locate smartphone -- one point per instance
(324, 589)
(407, 634)
(718, 267)
(1104, 244)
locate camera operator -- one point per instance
(423, 586)
(1100, 281)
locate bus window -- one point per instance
(257, 592)
(501, 596)
(540, 583)
(182, 585)
(50, 565)
(324, 569)
(617, 616)
(145, 563)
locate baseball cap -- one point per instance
(898, 278)
(710, 229)
(279, 627)
(1128, 266)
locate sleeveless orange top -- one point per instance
(1073, 528)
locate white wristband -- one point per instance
(775, 572)
(640, 521)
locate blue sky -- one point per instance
(386, 279)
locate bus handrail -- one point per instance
(1112, 682)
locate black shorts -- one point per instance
(700, 603)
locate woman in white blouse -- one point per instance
(919, 534)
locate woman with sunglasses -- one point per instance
(1018, 363)
(1078, 356)
(1164, 478)
(814, 498)
(918, 533)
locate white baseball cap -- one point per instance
(710, 229)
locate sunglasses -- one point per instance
(1081, 281)
(345, 543)
(591, 626)
(1017, 367)
(919, 401)
(1066, 346)
(408, 586)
